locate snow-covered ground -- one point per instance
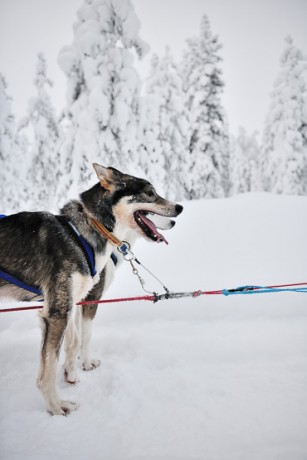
(212, 378)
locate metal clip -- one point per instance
(129, 256)
(134, 269)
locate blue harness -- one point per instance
(88, 252)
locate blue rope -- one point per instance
(260, 290)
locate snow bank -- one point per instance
(211, 378)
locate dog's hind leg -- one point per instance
(54, 321)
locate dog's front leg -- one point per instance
(54, 321)
(88, 315)
(72, 348)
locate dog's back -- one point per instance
(34, 248)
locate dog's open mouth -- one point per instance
(148, 227)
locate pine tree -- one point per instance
(244, 170)
(12, 151)
(103, 89)
(285, 135)
(165, 127)
(44, 171)
(208, 174)
(152, 161)
(254, 154)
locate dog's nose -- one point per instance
(179, 208)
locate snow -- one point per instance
(210, 378)
(67, 59)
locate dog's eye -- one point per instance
(150, 193)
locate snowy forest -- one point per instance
(171, 128)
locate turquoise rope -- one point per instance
(260, 290)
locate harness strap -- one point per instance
(114, 258)
(87, 248)
(11, 279)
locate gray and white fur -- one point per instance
(40, 249)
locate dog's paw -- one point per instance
(64, 408)
(91, 364)
(69, 406)
(71, 377)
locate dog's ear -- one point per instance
(105, 175)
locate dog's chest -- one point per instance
(101, 261)
(83, 284)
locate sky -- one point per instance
(252, 34)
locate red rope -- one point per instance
(88, 302)
(121, 299)
(145, 297)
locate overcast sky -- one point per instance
(252, 34)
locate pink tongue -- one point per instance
(153, 228)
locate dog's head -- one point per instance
(135, 203)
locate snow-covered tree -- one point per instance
(12, 151)
(7, 144)
(44, 170)
(244, 169)
(285, 134)
(208, 174)
(103, 89)
(164, 127)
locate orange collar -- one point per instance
(122, 246)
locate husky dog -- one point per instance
(45, 252)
